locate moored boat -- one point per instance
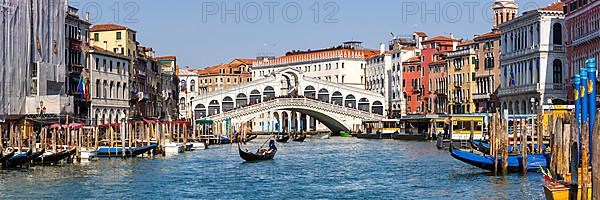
(261, 153)
(282, 138)
(173, 148)
(53, 158)
(198, 145)
(515, 164)
(23, 158)
(5, 156)
(299, 138)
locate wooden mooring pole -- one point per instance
(596, 158)
(523, 145)
(584, 160)
(504, 148)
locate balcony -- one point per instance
(559, 48)
(531, 88)
(481, 96)
(457, 84)
(417, 89)
(75, 69)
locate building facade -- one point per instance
(338, 65)
(434, 59)
(168, 87)
(582, 23)
(109, 94)
(76, 54)
(487, 72)
(533, 62)
(461, 72)
(413, 90)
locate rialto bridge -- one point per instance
(286, 100)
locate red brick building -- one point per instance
(582, 19)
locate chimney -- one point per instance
(381, 48)
(87, 16)
(451, 35)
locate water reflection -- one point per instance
(334, 168)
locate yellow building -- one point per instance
(461, 74)
(224, 75)
(115, 38)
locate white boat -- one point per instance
(198, 145)
(87, 155)
(173, 148)
(321, 136)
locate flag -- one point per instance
(512, 77)
(81, 87)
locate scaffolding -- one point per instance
(32, 48)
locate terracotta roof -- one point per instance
(166, 58)
(440, 38)
(108, 27)
(556, 6)
(323, 54)
(413, 59)
(438, 62)
(247, 61)
(421, 34)
(107, 52)
(488, 34)
(466, 43)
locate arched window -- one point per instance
(98, 88)
(310, 92)
(241, 100)
(214, 108)
(192, 86)
(377, 107)
(557, 34)
(350, 101)
(182, 86)
(269, 93)
(111, 89)
(337, 98)
(557, 71)
(182, 103)
(255, 97)
(125, 91)
(323, 95)
(227, 104)
(118, 89)
(363, 104)
(105, 92)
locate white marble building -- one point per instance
(109, 89)
(344, 65)
(188, 92)
(533, 60)
(384, 76)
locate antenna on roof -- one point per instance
(393, 36)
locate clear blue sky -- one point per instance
(202, 33)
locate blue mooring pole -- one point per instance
(591, 66)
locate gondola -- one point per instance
(283, 138)
(5, 157)
(515, 164)
(299, 138)
(55, 157)
(485, 147)
(23, 158)
(261, 154)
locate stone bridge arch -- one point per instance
(336, 118)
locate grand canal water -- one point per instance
(345, 168)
